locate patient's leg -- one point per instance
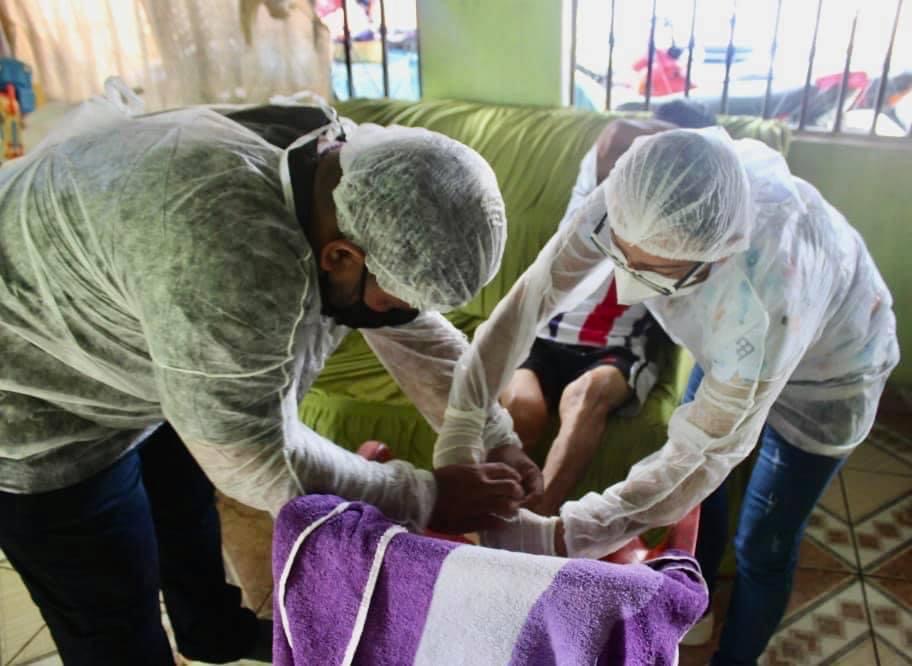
(525, 401)
(584, 407)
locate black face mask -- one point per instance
(358, 314)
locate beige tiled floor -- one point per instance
(23, 636)
(247, 539)
(851, 605)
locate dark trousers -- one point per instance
(95, 555)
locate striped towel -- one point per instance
(354, 588)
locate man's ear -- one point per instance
(341, 256)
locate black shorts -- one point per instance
(557, 364)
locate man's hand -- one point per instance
(471, 497)
(530, 475)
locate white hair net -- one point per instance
(681, 194)
(427, 212)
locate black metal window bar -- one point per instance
(882, 83)
(384, 46)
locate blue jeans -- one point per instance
(95, 555)
(784, 487)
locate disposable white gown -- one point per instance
(797, 331)
(151, 269)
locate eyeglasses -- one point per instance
(620, 261)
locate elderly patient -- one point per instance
(602, 356)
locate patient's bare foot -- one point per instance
(546, 505)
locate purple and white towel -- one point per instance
(354, 588)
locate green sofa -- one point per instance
(535, 153)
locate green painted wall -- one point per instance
(497, 51)
(870, 184)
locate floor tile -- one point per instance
(898, 565)
(821, 594)
(822, 631)
(867, 492)
(884, 534)
(895, 417)
(53, 660)
(892, 623)
(833, 535)
(811, 586)
(833, 501)
(231, 574)
(895, 398)
(169, 630)
(890, 656)
(700, 656)
(899, 590)
(265, 609)
(39, 647)
(869, 457)
(861, 654)
(247, 544)
(894, 436)
(19, 617)
(816, 556)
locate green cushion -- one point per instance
(535, 153)
(354, 400)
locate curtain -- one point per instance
(174, 52)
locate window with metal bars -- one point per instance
(375, 47)
(823, 66)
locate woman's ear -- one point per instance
(341, 256)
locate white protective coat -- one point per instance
(153, 269)
(797, 330)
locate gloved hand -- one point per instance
(515, 457)
(460, 437)
(527, 533)
(475, 497)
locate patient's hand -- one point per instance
(471, 497)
